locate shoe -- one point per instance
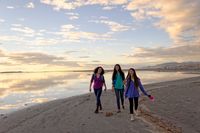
(100, 107)
(132, 117)
(136, 112)
(118, 111)
(96, 111)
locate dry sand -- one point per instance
(176, 109)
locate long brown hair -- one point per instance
(134, 76)
(115, 72)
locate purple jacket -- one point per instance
(132, 91)
(97, 82)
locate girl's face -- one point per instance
(117, 68)
(131, 72)
(99, 70)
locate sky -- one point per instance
(38, 35)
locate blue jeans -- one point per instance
(97, 93)
(119, 95)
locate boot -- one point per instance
(100, 107)
(97, 110)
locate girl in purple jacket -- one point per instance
(133, 84)
(98, 82)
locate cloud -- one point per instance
(21, 19)
(1, 53)
(35, 58)
(84, 57)
(180, 19)
(72, 16)
(62, 4)
(69, 5)
(96, 61)
(71, 51)
(166, 54)
(71, 33)
(6, 64)
(106, 2)
(68, 27)
(27, 31)
(2, 20)
(10, 7)
(40, 41)
(11, 38)
(24, 34)
(23, 40)
(114, 26)
(108, 8)
(30, 5)
(67, 33)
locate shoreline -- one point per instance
(74, 112)
(109, 70)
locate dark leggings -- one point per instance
(119, 95)
(131, 104)
(97, 93)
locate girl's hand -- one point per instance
(105, 89)
(90, 89)
(124, 82)
(113, 89)
(151, 97)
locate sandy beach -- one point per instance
(176, 109)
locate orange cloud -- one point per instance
(180, 19)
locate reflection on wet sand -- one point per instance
(18, 90)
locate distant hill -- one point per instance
(12, 72)
(176, 66)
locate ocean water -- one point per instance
(20, 90)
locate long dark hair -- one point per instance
(96, 70)
(134, 76)
(115, 72)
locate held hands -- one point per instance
(125, 82)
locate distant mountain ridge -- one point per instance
(176, 66)
(163, 66)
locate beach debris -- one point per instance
(108, 114)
